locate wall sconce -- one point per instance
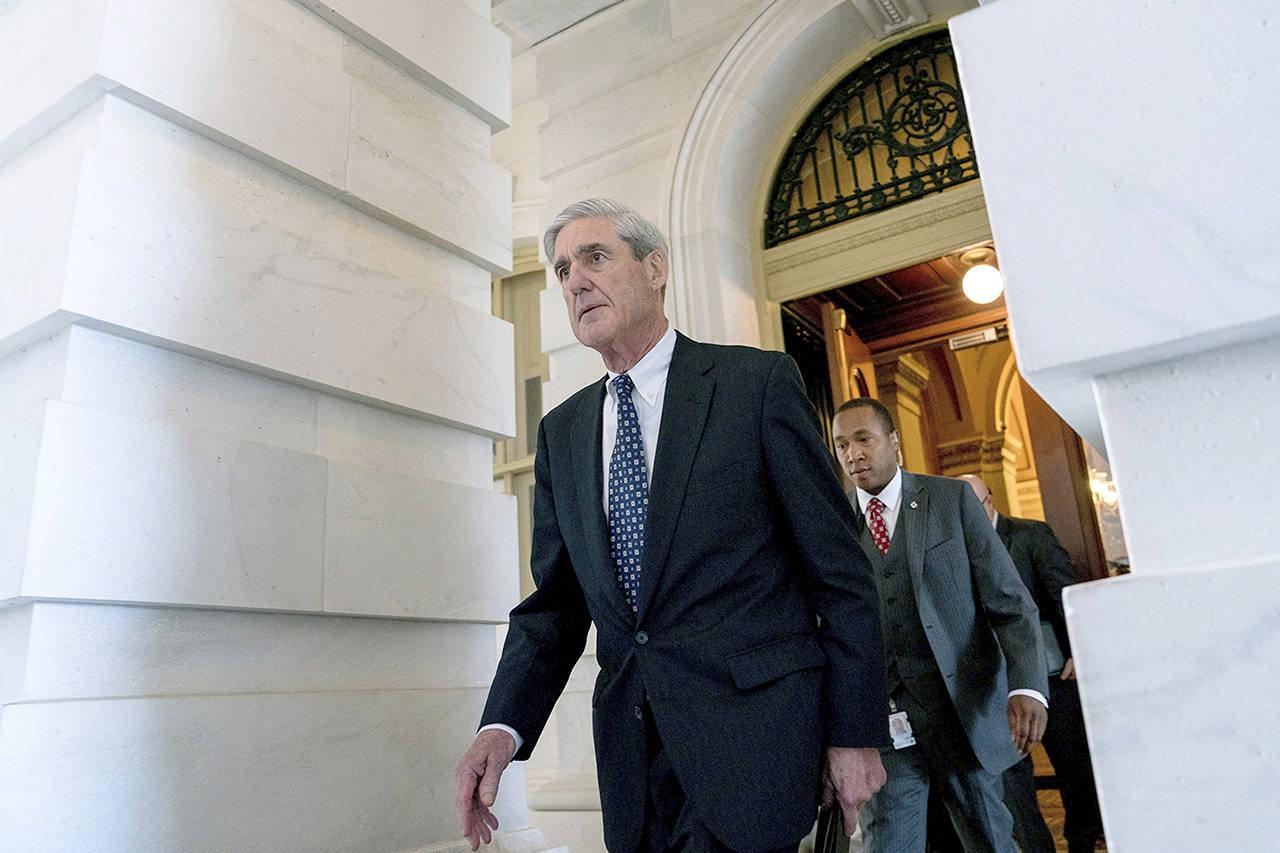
(982, 282)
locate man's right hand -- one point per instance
(852, 776)
(477, 784)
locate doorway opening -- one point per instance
(945, 368)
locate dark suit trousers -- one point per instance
(1029, 828)
(1068, 749)
(670, 824)
(895, 819)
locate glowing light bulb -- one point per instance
(982, 284)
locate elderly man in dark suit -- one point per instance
(965, 664)
(685, 505)
(1046, 569)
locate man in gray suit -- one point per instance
(966, 665)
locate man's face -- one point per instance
(867, 453)
(614, 301)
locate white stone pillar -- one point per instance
(1126, 158)
(249, 548)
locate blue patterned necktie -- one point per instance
(628, 493)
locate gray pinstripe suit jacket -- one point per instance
(981, 623)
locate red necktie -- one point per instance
(879, 532)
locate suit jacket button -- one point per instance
(639, 713)
(642, 638)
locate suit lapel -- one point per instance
(587, 438)
(686, 401)
(913, 515)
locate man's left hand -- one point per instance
(1069, 670)
(853, 775)
(1027, 718)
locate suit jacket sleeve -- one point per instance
(1053, 569)
(1004, 599)
(836, 574)
(548, 630)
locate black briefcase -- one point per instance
(830, 837)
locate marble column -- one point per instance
(1126, 160)
(250, 552)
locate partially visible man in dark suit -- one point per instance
(686, 505)
(965, 664)
(1046, 568)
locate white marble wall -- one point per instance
(250, 553)
(1125, 166)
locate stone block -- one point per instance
(1173, 671)
(282, 771)
(1167, 426)
(20, 435)
(118, 508)
(395, 546)
(100, 370)
(403, 445)
(415, 157)
(182, 242)
(284, 95)
(132, 510)
(62, 651)
(454, 49)
(278, 84)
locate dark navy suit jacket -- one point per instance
(748, 540)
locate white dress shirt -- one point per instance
(649, 376)
(890, 496)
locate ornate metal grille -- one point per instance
(892, 130)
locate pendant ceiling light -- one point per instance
(982, 282)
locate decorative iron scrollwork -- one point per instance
(892, 130)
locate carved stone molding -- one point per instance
(857, 234)
(886, 17)
(974, 455)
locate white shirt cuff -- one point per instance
(1022, 691)
(520, 741)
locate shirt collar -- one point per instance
(649, 374)
(890, 495)
(995, 520)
